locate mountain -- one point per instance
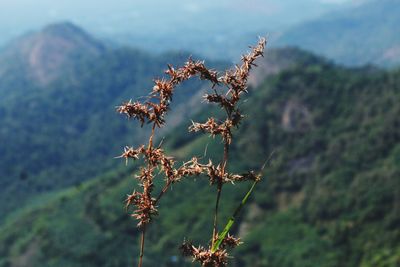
(198, 27)
(329, 198)
(278, 60)
(203, 29)
(63, 130)
(45, 55)
(360, 35)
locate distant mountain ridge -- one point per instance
(46, 54)
(367, 33)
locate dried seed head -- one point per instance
(191, 168)
(131, 153)
(204, 256)
(230, 242)
(164, 89)
(135, 110)
(212, 127)
(154, 110)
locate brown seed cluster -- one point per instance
(158, 101)
(214, 128)
(206, 257)
(227, 91)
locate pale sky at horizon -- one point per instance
(107, 16)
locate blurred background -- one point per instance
(325, 98)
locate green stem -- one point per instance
(231, 220)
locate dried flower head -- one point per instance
(156, 163)
(131, 153)
(135, 110)
(204, 256)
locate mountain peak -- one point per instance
(61, 26)
(46, 53)
(64, 30)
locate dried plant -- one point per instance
(227, 90)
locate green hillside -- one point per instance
(329, 198)
(62, 132)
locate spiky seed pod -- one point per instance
(204, 256)
(135, 110)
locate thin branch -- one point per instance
(152, 136)
(219, 191)
(215, 245)
(163, 190)
(142, 246)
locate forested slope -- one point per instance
(329, 198)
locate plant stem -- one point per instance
(215, 230)
(219, 190)
(232, 219)
(217, 243)
(144, 227)
(142, 246)
(152, 136)
(163, 190)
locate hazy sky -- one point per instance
(144, 16)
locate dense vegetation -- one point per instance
(60, 134)
(329, 198)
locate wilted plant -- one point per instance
(228, 89)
